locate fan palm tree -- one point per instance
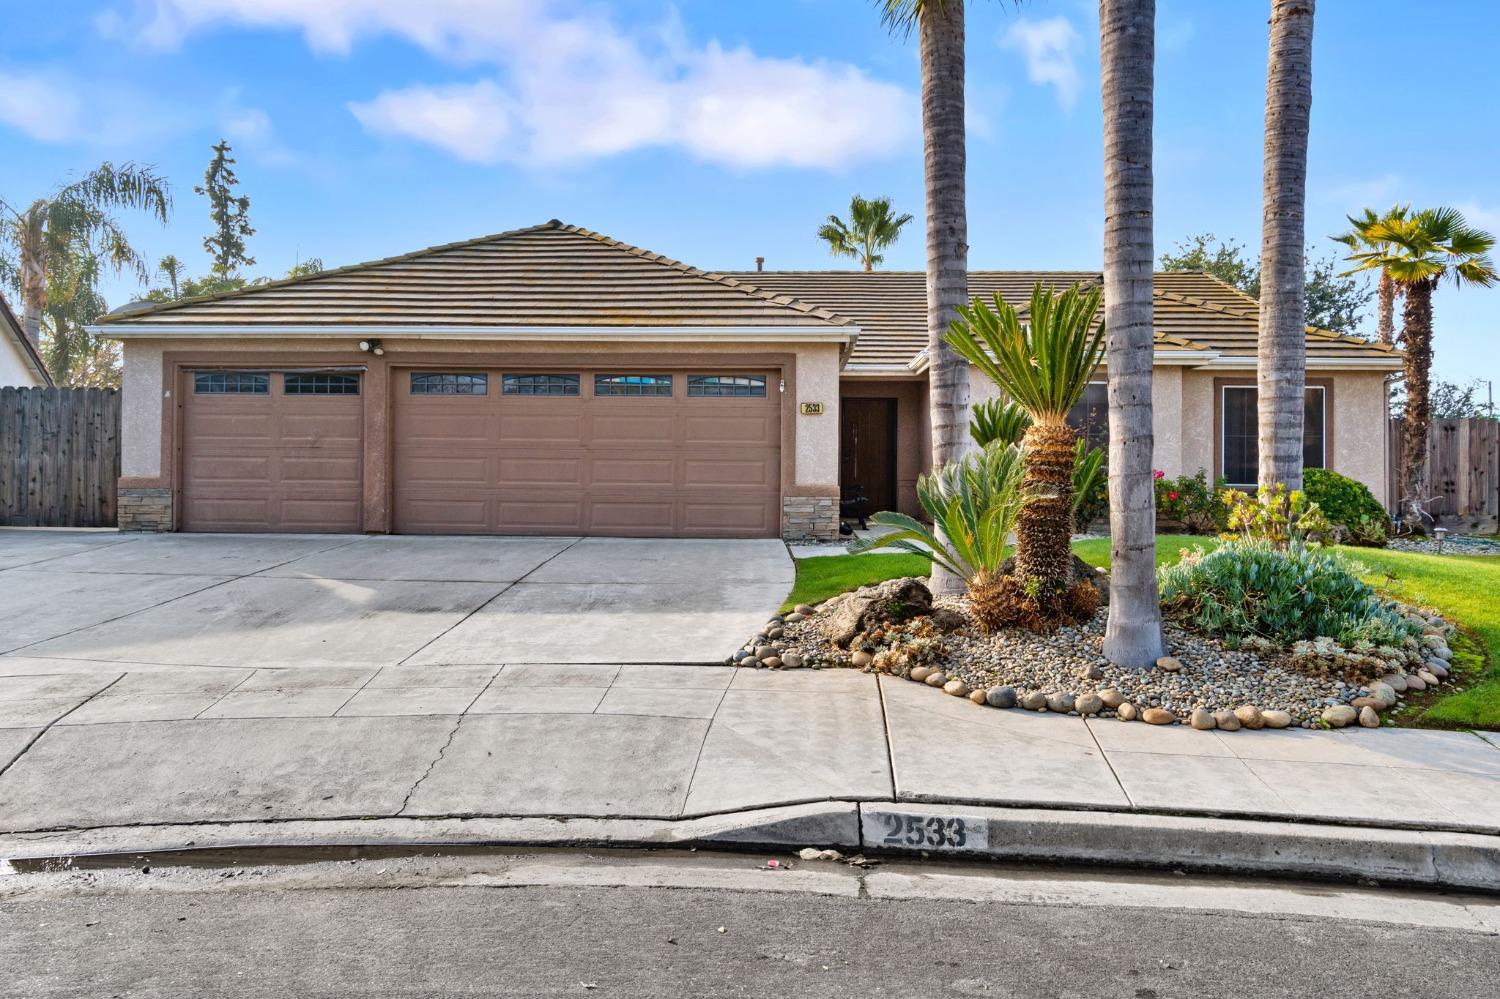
(1127, 49)
(1281, 361)
(1043, 365)
(79, 219)
(940, 28)
(1386, 290)
(1419, 250)
(870, 229)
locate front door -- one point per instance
(867, 453)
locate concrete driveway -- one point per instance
(80, 601)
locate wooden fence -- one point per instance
(1463, 468)
(59, 457)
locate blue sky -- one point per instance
(716, 132)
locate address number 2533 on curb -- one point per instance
(904, 831)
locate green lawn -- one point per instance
(1464, 588)
(827, 576)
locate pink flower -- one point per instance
(1171, 495)
(1158, 474)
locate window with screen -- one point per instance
(539, 385)
(633, 385)
(320, 384)
(1240, 445)
(726, 386)
(449, 383)
(231, 383)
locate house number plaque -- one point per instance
(812, 409)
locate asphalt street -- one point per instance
(716, 925)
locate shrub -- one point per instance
(1353, 511)
(1284, 519)
(1090, 485)
(1253, 588)
(1189, 500)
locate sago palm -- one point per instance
(999, 421)
(1419, 250)
(871, 228)
(973, 504)
(1043, 364)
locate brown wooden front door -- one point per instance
(867, 451)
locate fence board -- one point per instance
(1462, 471)
(59, 457)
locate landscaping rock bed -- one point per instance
(897, 629)
(1454, 544)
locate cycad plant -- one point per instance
(1042, 363)
(1005, 422)
(973, 504)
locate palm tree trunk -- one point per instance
(1282, 357)
(33, 277)
(1416, 322)
(942, 54)
(1127, 42)
(1385, 315)
(1044, 558)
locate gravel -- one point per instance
(1454, 544)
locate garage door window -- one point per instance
(726, 386)
(318, 384)
(649, 385)
(449, 383)
(539, 385)
(231, 383)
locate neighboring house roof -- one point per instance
(1194, 312)
(11, 327)
(546, 278)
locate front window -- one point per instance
(1090, 417)
(1240, 445)
(449, 383)
(635, 385)
(720, 386)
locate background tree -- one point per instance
(175, 271)
(870, 229)
(1451, 400)
(78, 221)
(940, 31)
(1333, 300)
(1281, 355)
(1127, 50)
(230, 214)
(1419, 250)
(314, 265)
(1387, 292)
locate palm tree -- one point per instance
(870, 229)
(78, 219)
(1386, 290)
(1419, 250)
(940, 28)
(175, 271)
(1281, 362)
(1127, 49)
(1043, 365)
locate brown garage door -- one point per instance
(618, 452)
(271, 451)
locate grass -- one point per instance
(1464, 588)
(827, 576)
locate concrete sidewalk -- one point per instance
(194, 745)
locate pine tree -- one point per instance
(230, 214)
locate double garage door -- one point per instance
(490, 451)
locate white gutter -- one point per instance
(125, 330)
(1316, 364)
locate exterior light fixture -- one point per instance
(372, 347)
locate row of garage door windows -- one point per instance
(477, 383)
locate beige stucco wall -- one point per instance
(816, 379)
(1359, 428)
(15, 367)
(1167, 429)
(1196, 449)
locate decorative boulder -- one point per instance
(892, 601)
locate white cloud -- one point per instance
(1051, 48)
(1480, 216)
(42, 108)
(570, 84)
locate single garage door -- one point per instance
(595, 452)
(271, 451)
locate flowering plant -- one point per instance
(1190, 501)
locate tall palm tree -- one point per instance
(1386, 290)
(78, 219)
(1043, 364)
(1419, 250)
(1281, 362)
(1127, 49)
(940, 29)
(870, 229)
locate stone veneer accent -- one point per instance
(144, 509)
(809, 518)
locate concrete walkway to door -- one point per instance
(82, 601)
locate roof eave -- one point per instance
(847, 334)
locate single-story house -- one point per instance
(552, 380)
(21, 364)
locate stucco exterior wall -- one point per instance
(1359, 428)
(15, 368)
(140, 410)
(818, 436)
(1197, 443)
(1167, 429)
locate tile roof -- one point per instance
(547, 275)
(1192, 310)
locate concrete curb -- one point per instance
(1209, 845)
